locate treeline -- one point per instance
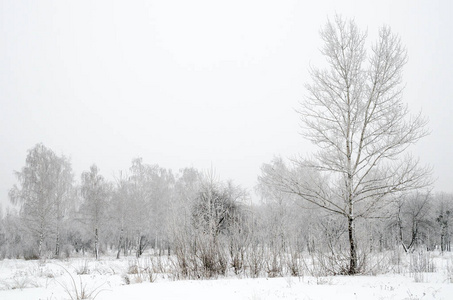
(210, 227)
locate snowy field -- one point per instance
(147, 278)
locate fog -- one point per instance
(195, 83)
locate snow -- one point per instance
(106, 279)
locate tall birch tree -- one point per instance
(95, 192)
(44, 189)
(354, 114)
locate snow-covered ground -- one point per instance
(128, 278)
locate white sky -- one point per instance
(195, 83)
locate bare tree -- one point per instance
(354, 114)
(443, 216)
(161, 184)
(150, 191)
(62, 196)
(215, 208)
(140, 202)
(95, 191)
(120, 212)
(45, 184)
(413, 219)
(187, 184)
(207, 223)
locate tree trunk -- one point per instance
(96, 241)
(447, 238)
(139, 246)
(400, 232)
(352, 245)
(126, 247)
(57, 245)
(40, 242)
(155, 243)
(119, 244)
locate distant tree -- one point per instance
(181, 232)
(207, 224)
(140, 203)
(354, 114)
(95, 192)
(287, 222)
(443, 218)
(163, 182)
(186, 187)
(13, 236)
(217, 222)
(64, 193)
(413, 219)
(151, 190)
(216, 207)
(43, 192)
(120, 212)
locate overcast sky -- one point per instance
(195, 83)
